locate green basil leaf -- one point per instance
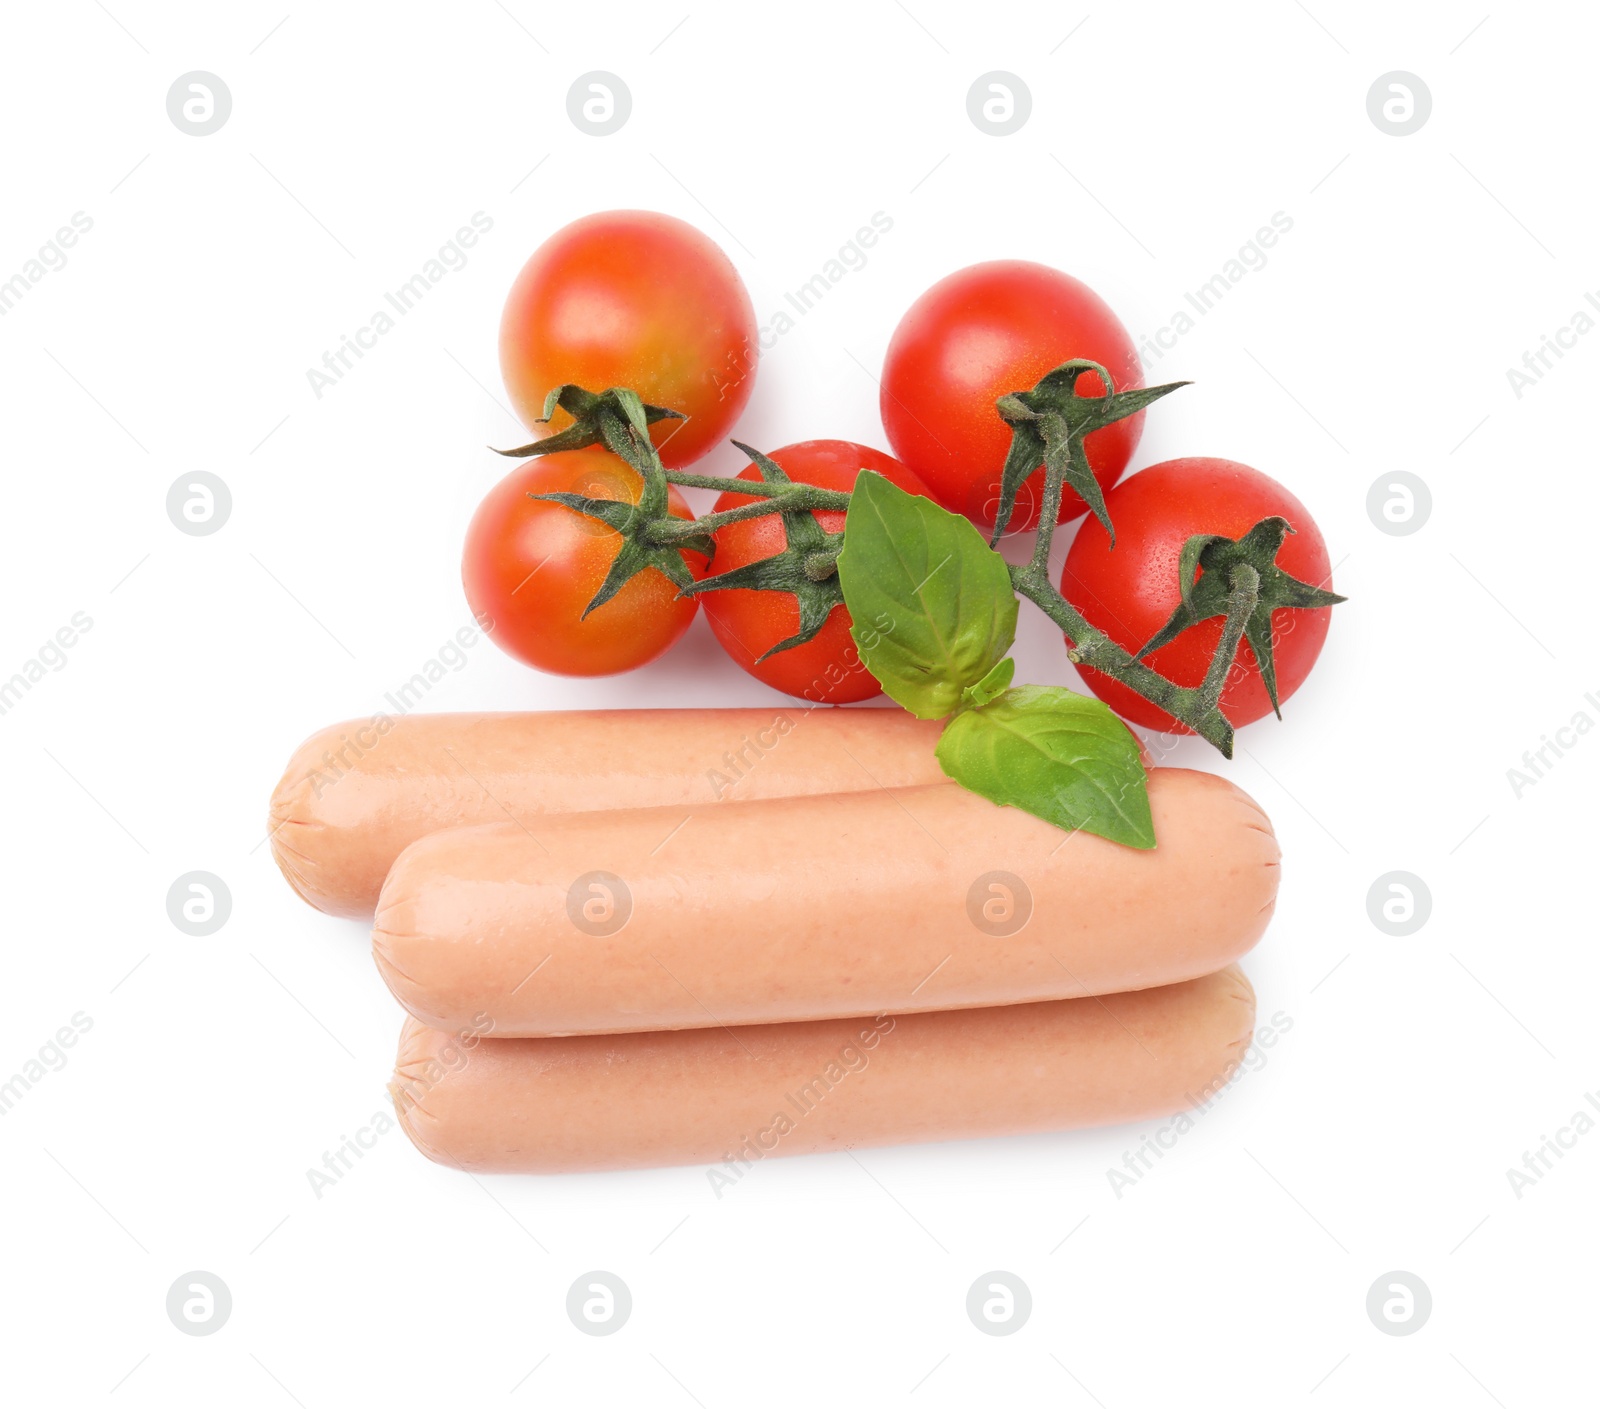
(1061, 756)
(996, 682)
(931, 604)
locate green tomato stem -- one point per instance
(1092, 647)
(1049, 512)
(760, 489)
(1244, 592)
(621, 421)
(773, 499)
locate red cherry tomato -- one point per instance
(530, 568)
(630, 298)
(972, 338)
(1131, 590)
(748, 623)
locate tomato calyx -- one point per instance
(1048, 426)
(615, 417)
(1222, 563)
(620, 420)
(637, 554)
(808, 564)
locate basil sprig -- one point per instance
(934, 615)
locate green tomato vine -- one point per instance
(950, 600)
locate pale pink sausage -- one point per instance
(357, 794)
(733, 1096)
(792, 909)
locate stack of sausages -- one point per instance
(632, 938)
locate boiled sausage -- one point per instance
(357, 794)
(888, 901)
(730, 1097)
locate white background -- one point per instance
(1377, 339)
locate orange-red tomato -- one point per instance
(748, 623)
(530, 568)
(976, 336)
(631, 298)
(1131, 590)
